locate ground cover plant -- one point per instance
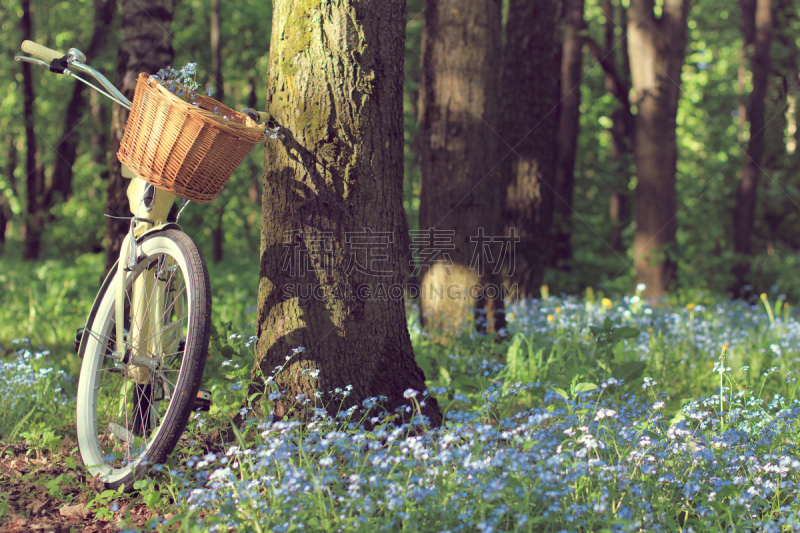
(594, 414)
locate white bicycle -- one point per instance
(146, 339)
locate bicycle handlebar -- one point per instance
(42, 52)
(75, 60)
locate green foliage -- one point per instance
(40, 438)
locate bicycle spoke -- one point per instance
(131, 403)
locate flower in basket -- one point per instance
(183, 84)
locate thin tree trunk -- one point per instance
(100, 134)
(216, 51)
(568, 129)
(216, 65)
(757, 31)
(333, 189)
(459, 199)
(619, 202)
(66, 149)
(657, 48)
(531, 93)
(145, 46)
(217, 235)
(618, 83)
(11, 167)
(34, 222)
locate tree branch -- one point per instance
(617, 86)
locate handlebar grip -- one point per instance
(42, 52)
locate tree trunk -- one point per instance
(330, 275)
(757, 32)
(11, 167)
(459, 201)
(145, 46)
(100, 134)
(657, 48)
(531, 94)
(568, 129)
(617, 81)
(66, 149)
(217, 235)
(216, 51)
(34, 222)
(219, 88)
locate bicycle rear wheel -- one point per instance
(130, 416)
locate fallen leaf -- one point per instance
(49, 526)
(38, 504)
(9, 471)
(96, 484)
(73, 511)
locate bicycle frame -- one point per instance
(148, 294)
(147, 216)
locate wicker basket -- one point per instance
(182, 148)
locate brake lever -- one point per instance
(37, 61)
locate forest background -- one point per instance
(718, 217)
(712, 131)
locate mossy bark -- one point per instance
(334, 180)
(458, 140)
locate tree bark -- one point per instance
(66, 149)
(617, 81)
(657, 47)
(330, 279)
(568, 129)
(34, 221)
(11, 167)
(459, 199)
(757, 33)
(216, 65)
(145, 46)
(217, 235)
(531, 93)
(100, 134)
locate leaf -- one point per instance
(140, 484)
(629, 371)
(228, 352)
(77, 511)
(729, 490)
(585, 387)
(624, 332)
(561, 392)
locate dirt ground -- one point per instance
(28, 504)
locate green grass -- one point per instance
(590, 408)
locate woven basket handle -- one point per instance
(42, 52)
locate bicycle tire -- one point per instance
(122, 447)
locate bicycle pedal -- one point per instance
(202, 402)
